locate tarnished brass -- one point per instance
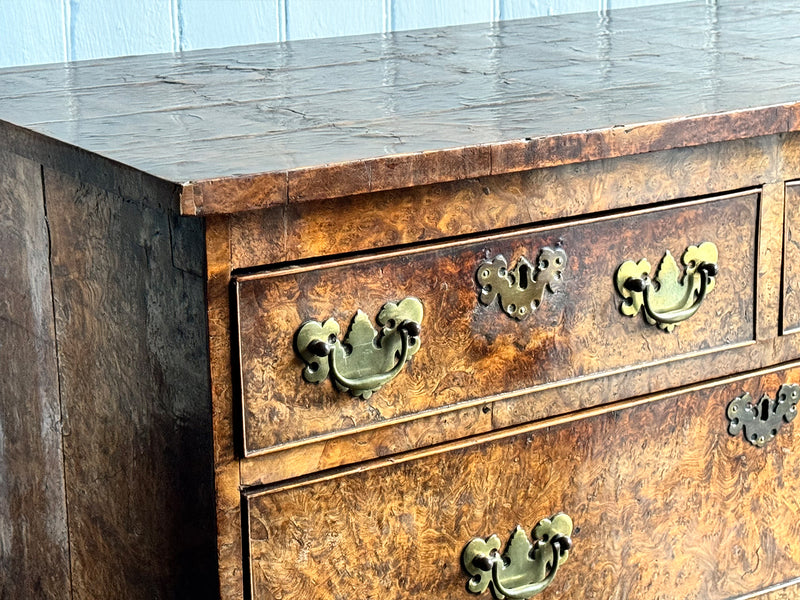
(761, 421)
(521, 289)
(364, 360)
(525, 569)
(668, 299)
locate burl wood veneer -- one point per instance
(167, 223)
(666, 504)
(791, 260)
(471, 351)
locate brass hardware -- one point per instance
(522, 288)
(363, 361)
(524, 569)
(761, 421)
(668, 299)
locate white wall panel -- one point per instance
(31, 32)
(326, 18)
(213, 24)
(37, 31)
(418, 14)
(525, 9)
(100, 28)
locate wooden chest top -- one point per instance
(250, 127)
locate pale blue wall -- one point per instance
(38, 31)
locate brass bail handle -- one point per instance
(526, 568)
(365, 360)
(668, 298)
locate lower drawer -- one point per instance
(666, 503)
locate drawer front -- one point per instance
(665, 503)
(470, 351)
(791, 260)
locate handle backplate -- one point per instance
(365, 360)
(761, 421)
(520, 289)
(526, 568)
(668, 299)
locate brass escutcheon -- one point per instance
(668, 299)
(520, 289)
(525, 569)
(364, 360)
(761, 421)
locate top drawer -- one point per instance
(468, 352)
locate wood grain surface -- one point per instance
(791, 260)
(515, 410)
(225, 426)
(789, 156)
(666, 504)
(338, 175)
(34, 546)
(470, 351)
(787, 593)
(366, 445)
(132, 341)
(320, 119)
(368, 221)
(770, 258)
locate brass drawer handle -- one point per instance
(521, 289)
(761, 421)
(364, 360)
(668, 299)
(525, 569)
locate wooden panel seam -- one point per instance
(768, 257)
(63, 419)
(265, 272)
(784, 251)
(134, 387)
(513, 431)
(765, 593)
(484, 400)
(337, 180)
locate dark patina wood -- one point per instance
(470, 351)
(132, 346)
(320, 119)
(675, 504)
(34, 549)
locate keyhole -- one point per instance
(764, 409)
(523, 277)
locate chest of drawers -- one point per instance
(317, 320)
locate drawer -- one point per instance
(665, 502)
(470, 352)
(791, 260)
